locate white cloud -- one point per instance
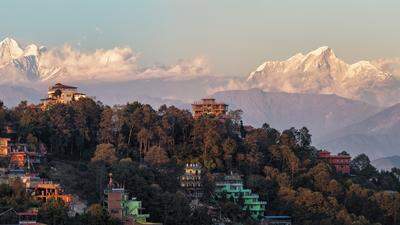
(233, 84)
(65, 63)
(113, 64)
(183, 69)
(70, 63)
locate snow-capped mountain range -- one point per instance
(18, 65)
(320, 71)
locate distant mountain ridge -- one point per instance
(377, 135)
(13, 95)
(320, 113)
(321, 72)
(387, 163)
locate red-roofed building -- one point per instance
(340, 162)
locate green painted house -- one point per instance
(133, 208)
(232, 187)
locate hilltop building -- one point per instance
(232, 187)
(191, 180)
(46, 190)
(208, 106)
(119, 206)
(61, 94)
(340, 162)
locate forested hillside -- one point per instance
(145, 150)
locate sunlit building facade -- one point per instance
(61, 94)
(209, 106)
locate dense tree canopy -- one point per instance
(146, 149)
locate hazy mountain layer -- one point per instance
(387, 163)
(320, 113)
(12, 95)
(377, 136)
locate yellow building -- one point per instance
(62, 94)
(191, 180)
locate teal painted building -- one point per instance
(232, 187)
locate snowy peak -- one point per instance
(10, 43)
(9, 50)
(325, 50)
(316, 60)
(322, 54)
(321, 72)
(19, 64)
(32, 50)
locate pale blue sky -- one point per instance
(235, 35)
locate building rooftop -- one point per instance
(61, 86)
(193, 165)
(325, 153)
(278, 217)
(208, 101)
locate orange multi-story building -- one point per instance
(8, 137)
(208, 106)
(5, 144)
(18, 159)
(44, 191)
(341, 162)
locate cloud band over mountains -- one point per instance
(34, 63)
